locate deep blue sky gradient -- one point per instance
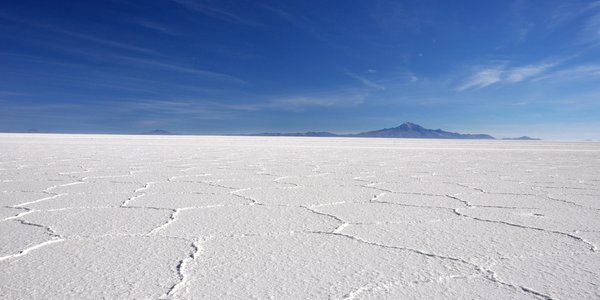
(501, 67)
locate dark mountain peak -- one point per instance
(412, 130)
(410, 126)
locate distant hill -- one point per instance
(411, 130)
(309, 133)
(157, 132)
(32, 130)
(523, 138)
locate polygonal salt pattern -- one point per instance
(187, 217)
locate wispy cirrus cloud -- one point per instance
(588, 13)
(154, 26)
(572, 73)
(180, 68)
(584, 16)
(12, 93)
(591, 30)
(79, 35)
(300, 103)
(366, 82)
(102, 41)
(482, 78)
(562, 13)
(182, 108)
(523, 73)
(217, 11)
(488, 76)
(206, 108)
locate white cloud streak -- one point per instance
(499, 74)
(482, 79)
(181, 69)
(211, 10)
(157, 27)
(302, 103)
(526, 72)
(588, 71)
(366, 82)
(81, 36)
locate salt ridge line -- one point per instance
(137, 193)
(55, 237)
(489, 274)
(32, 248)
(46, 191)
(592, 247)
(183, 278)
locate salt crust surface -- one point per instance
(182, 217)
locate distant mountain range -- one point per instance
(406, 130)
(411, 130)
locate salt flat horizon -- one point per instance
(179, 217)
(390, 139)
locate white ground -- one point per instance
(85, 216)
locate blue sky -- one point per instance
(507, 68)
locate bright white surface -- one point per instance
(182, 217)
